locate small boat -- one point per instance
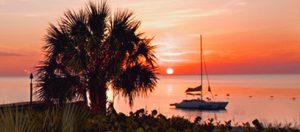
(200, 103)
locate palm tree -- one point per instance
(92, 49)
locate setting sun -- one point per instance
(170, 71)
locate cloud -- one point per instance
(162, 60)
(3, 2)
(180, 17)
(240, 3)
(168, 19)
(6, 54)
(177, 53)
(40, 14)
(160, 24)
(150, 3)
(194, 13)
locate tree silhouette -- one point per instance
(91, 50)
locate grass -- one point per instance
(72, 118)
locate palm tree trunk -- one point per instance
(85, 90)
(98, 97)
(85, 98)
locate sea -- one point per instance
(271, 98)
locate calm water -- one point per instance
(170, 89)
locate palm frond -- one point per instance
(123, 32)
(73, 118)
(56, 89)
(56, 41)
(144, 53)
(135, 81)
(75, 24)
(97, 20)
(15, 120)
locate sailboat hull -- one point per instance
(201, 104)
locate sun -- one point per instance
(170, 71)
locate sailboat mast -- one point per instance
(201, 74)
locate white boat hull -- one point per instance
(201, 104)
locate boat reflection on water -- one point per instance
(205, 115)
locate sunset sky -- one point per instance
(239, 36)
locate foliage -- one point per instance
(91, 49)
(73, 118)
(15, 120)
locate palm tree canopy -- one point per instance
(96, 48)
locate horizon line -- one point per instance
(190, 74)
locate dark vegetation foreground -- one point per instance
(76, 118)
(86, 53)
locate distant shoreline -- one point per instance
(237, 74)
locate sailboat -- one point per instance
(200, 103)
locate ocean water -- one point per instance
(270, 98)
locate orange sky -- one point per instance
(239, 36)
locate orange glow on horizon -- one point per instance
(238, 36)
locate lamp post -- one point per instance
(31, 77)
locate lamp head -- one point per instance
(31, 76)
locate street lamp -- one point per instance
(31, 77)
